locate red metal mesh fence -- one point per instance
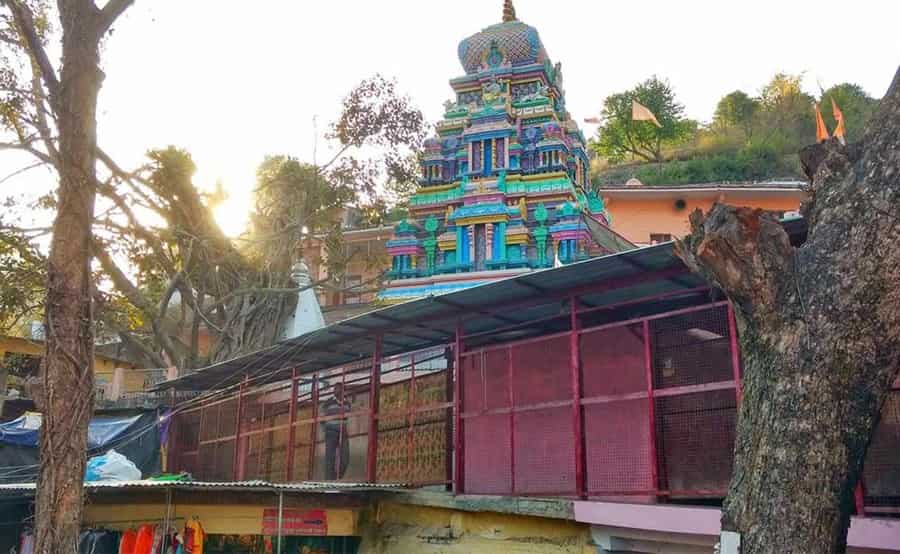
(696, 404)
(341, 448)
(669, 438)
(678, 443)
(691, 349)
(695, 438)
(215, 447)
(543, 436)
(187, 441)
(412, 424)
(487, 436)
(264, 435)
(881, 474)
(545, 452)
(617, 431)
(413, 428)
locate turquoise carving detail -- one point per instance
(541, 214)
(595, 203)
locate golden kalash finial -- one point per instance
(509, 12)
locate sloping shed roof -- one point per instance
(28, 489)
(431, 321)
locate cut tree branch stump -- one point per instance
(819, 330)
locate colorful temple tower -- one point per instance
(502, 188)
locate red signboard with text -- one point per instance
(295, 522)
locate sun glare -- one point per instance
(232, 216)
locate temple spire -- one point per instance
(509, 11)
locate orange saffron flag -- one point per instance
(821, 130)
(840, 130)
(640, 112)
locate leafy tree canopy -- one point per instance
(856, 105)
(620, 137)
(750, 137)
(737, 109)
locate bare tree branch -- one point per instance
(21, 170)
(111, 11)
(24, 20)
(137, 298)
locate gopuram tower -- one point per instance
(503, 184)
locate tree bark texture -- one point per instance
(66, 398)
(820, 336)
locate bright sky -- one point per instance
(233, 81)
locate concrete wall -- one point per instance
(637, 218)
(423, 529)
(220, 513)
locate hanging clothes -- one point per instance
(158, 534)
(126, 545)
(101, 541)
(26, 544)
(194, 530)
(143, 544)
(188, 542)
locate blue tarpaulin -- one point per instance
(102, 430)
(133, 433)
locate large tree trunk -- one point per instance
(66, 397)
(820, 335)
(67, 372)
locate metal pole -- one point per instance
(735, 354)
(859, 497)
(238, 457)
(344, 427)
(512, 421)
(374, 385)
(577, 419)
(458, 446)
(411, 414)
(280, 517)
(651, 407)
(292, 431)
(168, 462)
(168, 518)
(313, 429)
(448, 420)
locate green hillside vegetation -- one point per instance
(751, 138)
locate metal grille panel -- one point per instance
(545, 452)
(618, 445)
(882, 467)
(541, 371)
(613, 361)
(691, 349)
(488, 454)
(695, 442)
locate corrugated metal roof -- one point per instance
(430, 321)
(20, 489)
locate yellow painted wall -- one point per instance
(103, 367)
(408, 528)
(222, 519)
(636, 219)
